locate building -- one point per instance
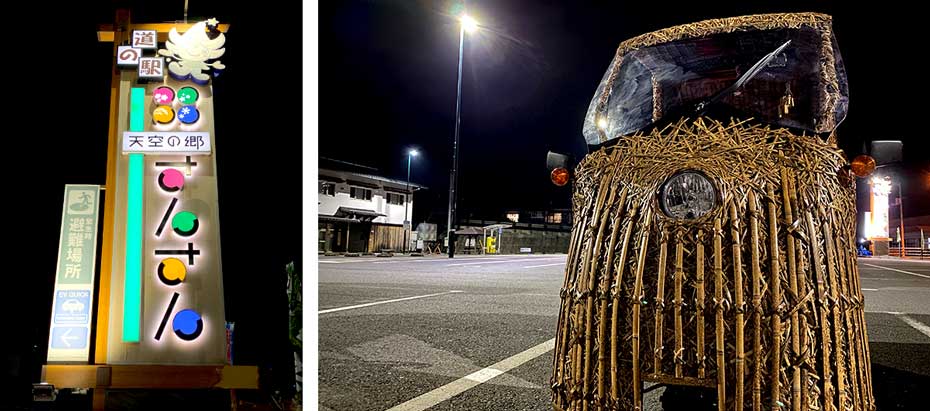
(517, 231)
(360, 211)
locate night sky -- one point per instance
(57, 79)
(388, 76)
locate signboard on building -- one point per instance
(165, 301)
(178, 142)
(72, 301)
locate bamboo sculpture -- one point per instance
(758, 300)
(782, 299)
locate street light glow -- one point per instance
(468, 23)
(602, 123)
(413, 153)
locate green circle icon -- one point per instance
(188, 95)
(185, 223)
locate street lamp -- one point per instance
(467, 24)
(410, 155)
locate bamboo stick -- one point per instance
(718, 332)
(699, 304)
(615, 311)
(826, 378)
(562, 344)
(660, 302)
(793, 289)
(740, 307)
(579, 380)
(602, 315)
(804, 329)
(756, 305)
(834, 299)
(592, 281)
(850, 345)
(637, 302)
(776, 302)
(679, 273)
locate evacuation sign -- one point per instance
(73, 302)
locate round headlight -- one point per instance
(687, 195)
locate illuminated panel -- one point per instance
(132, 293)
(132, 286)
(185, 223)
(136, 109)
(187, 325)
(162, 115)
(172, 271)
(878, 225)
(188, 95)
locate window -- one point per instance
(360, 193)
(554, 218)
(328, 189)
(537, 215)
(396, 199)
(515, 217)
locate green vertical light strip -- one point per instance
(137, 109)
(132, 284)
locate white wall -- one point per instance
(394, 214)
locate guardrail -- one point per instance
(909, 252)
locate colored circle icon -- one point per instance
(172, 271)
(171, 180)
(188, 95)
(163, 95)
(187, 325)
(185, 223)
(188, 114)
(163, 115)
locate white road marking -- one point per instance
(474, 379)
(495, 262)
(897, 270)
(917, 325)
(332, 310)
(543, 265)
(870, 289)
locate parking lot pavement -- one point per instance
(475, 332)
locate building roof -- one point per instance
(359, 213)
(357, 170)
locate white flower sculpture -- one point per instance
(194, 52)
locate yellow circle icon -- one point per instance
(172, 271)
(163, 115)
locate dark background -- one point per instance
(388, 77)
(56, 82)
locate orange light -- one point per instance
(559, 176)
(862, 165)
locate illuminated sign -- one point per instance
(145, 39)
(128, 56)
(72, 301)
(877, 226)
(188, 95)
(151, 68)
(163, 95)
(178, 142)
(165, 298)
(194, 55)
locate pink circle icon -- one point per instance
(163, 95)
(171, 180)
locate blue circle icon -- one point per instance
(187, 325)
(188, 114)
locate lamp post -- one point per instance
(901, 216)
(469, 24)
(407, 226)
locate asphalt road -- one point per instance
(415, 333)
